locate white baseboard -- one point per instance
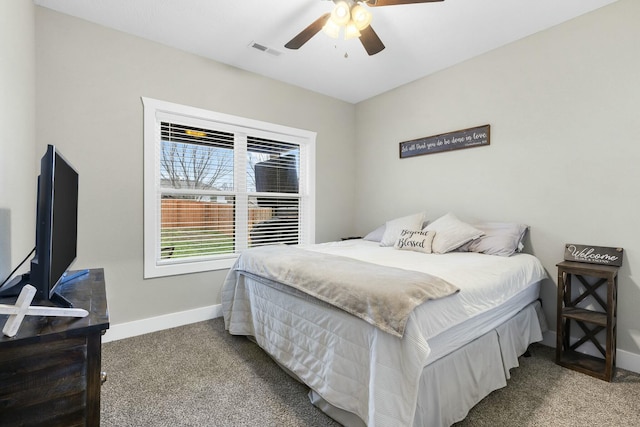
(153, 324)
(624, 359)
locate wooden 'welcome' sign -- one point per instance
(593, 254)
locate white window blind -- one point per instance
(216, 185)
(196, 190)
(273, 170)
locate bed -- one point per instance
(451, 352)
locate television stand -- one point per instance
(23, 308)
(50, 371)
(60, 301)
(13, 287)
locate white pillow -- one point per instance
(375, 235)
(394, 227)
(451, 233)
(500, 238)
(419, 241)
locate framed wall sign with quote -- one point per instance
(465, 138)
(593, 254)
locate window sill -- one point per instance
(153, 270)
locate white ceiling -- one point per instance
(420, 39)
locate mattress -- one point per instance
(465, 332)
(356, 367)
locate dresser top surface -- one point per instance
(87, 292)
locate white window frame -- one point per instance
(156, 111)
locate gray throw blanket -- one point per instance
(382, 296)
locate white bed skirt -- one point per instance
(452, 385)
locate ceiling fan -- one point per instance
(355, 19)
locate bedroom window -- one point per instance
(215, 185)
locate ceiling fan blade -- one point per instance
(371, 41)
(374, 3)
(306, 34)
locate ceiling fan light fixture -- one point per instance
(331, 29)
(340, 14)
(361, 17)
(351, 31)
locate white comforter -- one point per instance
(354, 365)
(357, 287)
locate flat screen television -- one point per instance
(56, 230)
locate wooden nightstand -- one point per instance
(572, 300)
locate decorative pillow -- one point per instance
(375, 235)
(500, 238)
(451, 233)
(419, 241)
(394, 227)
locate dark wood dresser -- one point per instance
(50, 371)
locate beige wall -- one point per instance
(89, 83)
(17, 120)
(562, 105)
(564, 153)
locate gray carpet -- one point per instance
(199, 375)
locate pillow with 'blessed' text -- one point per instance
(418, 241)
